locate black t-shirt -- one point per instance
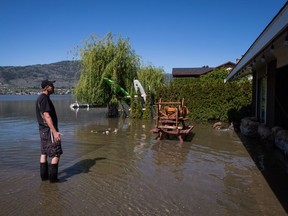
(44, 104)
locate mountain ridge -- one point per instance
(66, 74)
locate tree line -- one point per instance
(208, 97)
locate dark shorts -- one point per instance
(47, 147)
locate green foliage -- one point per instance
(209, 98)
(219, 74)
(133, 104)
(216, 74)
(151, 77)
(136, 106)
(147, 114)
(138, 111)
(110, 57)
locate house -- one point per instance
(197, 72)
(267, 61)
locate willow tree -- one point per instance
(147, 113)
(109, 57)
(151, 77)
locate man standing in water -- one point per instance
(49, 133)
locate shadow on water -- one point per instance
(271, 163)
(82, 166)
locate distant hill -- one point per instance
(66, 74)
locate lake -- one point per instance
(116, 167)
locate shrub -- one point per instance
(209, 98)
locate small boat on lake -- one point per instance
(76, 105)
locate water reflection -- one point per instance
(272, 164)
(167, 153)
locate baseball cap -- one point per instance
(46, 83)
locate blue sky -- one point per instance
(168, 34)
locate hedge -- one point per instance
(209, 98)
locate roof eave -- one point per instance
(277, 25)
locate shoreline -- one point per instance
(32, 91)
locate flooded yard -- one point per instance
(116, 167)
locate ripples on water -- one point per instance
(116, 167)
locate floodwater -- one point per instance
(116, 167)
